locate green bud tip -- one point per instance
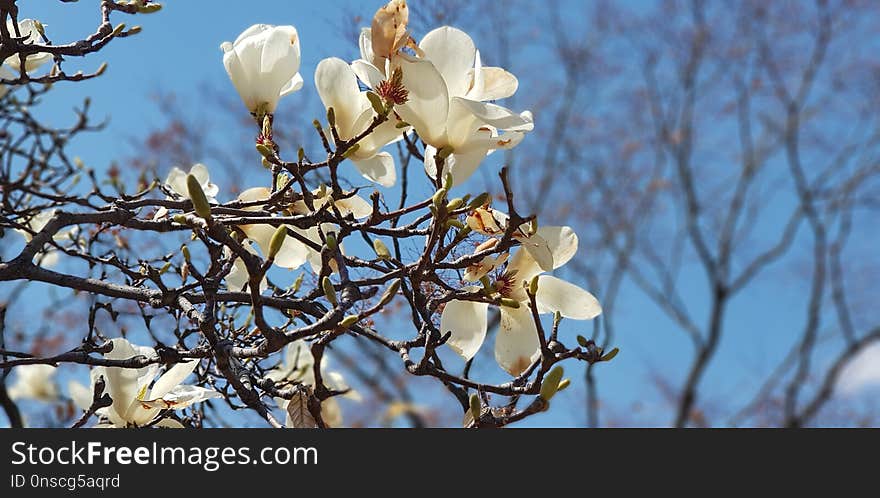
(475, 406)
(101, 69)
(376, 102)
(583, 341)
(439, 197)
(277, 241)
(265, 151)
(563, 384)
(300, 154)
(185, 251)
(455, 204)
(389, 293)
(350, 151)
(479, 200)
(550, 385)
(510, 303)
(330, 240)
(348, 321)
(445, 152)
(447, 180)
(331, 116)
(533, 286)
(197, 195)
(329, 291)
(381, 249)
(610, 355)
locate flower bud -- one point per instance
(329, 291)
(277, 241)
(149, 8)
(197, 195)
(185, 251)
(610, 355)
(550, 385)
(300, 155)
(475, 406)
(381, 249)
(297, 283)
(533, 286)
(510, 303)
(331, 242)
(455, 204)
(583, 341)
(402, 124)
(350, 151)
(179, 219)
(445, 152)
(447, 180)
(479, 201)
(134, 30)
(563, 384)
(164, 268)
(376, 102)
(389, 293)
(348, 321)
(101, 69)
(265, 151)
(317, 125)
(331, 116)
(118, 29)
(439, 197)
(452, 222)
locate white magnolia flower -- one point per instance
(176, 181)
(48, 256)
(298, 366)
(263, 64)
(238, 276)
(354, 205)
(517, 344)
(135, 402)
(292, 254)
(34, 382)
(28, 29)
(447, 102)
(338, 88)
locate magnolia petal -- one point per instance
(172, 378)
(180, 397)
(496, 84)
(453, 53)
(122, 383)
(428, 105)
(338, 88)
(465, 161)
(570, 300)
(517, 344)
(80, 395)
(355, 205)
(294, 85)
(497, 116)
(562, 241)
(369, 74)
(467, 321)
(176, 181)
(379, 169)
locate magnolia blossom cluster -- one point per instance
(435, 92)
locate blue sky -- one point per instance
(179, 50)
